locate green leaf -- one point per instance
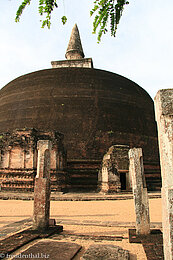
(107, 11)
(20, 9)
(64, 19)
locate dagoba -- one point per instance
(94, 109)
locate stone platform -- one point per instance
(76, 196)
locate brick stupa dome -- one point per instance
(94, 109)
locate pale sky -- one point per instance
(141, 51)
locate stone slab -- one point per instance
(14, 227)
(14, 242)
(152, 243)
(50, 249)
(105, 252)
(50, 231)
(135, 238)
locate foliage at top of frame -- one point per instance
(45, 8)
(107, 13)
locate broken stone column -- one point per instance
(140, 194)
(109, 177)
(164, 118)
(115, 162)
(42, 186)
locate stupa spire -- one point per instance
(74, 50)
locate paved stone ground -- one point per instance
(83, 237)
(153, 245)
(26, 223)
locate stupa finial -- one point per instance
(74, 50)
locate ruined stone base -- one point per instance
(111, 187)
(22, 180)
(105, 252)
(102, 187)
(114, 187)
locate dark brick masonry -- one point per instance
(92, 108)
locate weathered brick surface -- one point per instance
(92, 108)
(18, 159)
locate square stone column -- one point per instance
(42, 186)
(140, 194)
(164, 117)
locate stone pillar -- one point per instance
(1, 156)
(164, 118)
(139, 191)
(9, 156)
(42, 186)
(103, 178)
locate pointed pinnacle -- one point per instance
(74, 50)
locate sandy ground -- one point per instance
(88, 217)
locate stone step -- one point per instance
(83, 171)
(83, 178)
(153, 171)
(83, 182)
(154, 185)
(86, 176)
(82, 188)
(151, 163)
(153, 176)
(89, 167)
